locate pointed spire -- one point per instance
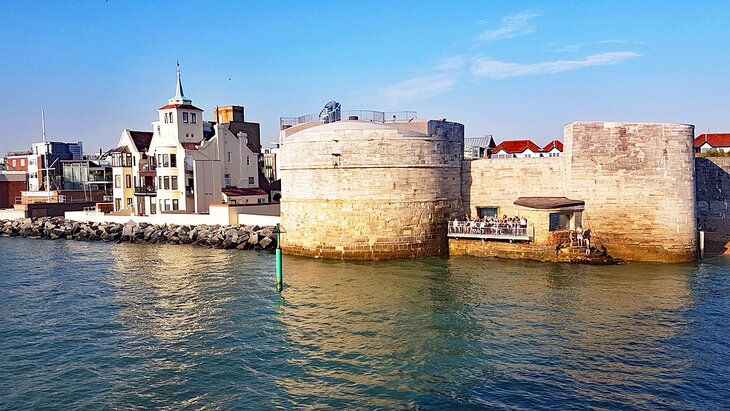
(179, 90)
(179, 95)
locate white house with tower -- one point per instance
(183, 165)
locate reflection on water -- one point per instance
(129, 326)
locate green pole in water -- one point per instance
(279, 276)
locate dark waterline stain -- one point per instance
(127, 326)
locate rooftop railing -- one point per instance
(490, 230)
(362, 115)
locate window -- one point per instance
(166, 160)
(248, 160)
(159, 160)
(162, 205)
(128, 179)
(193, 118)
(117, 203)
(250, 180)
(153, 207)
(173, 160)
(228, 156)
(170, 118)
(167, 205)
(174, 182)
(117, 181)
(165, 118)
(227, 180)
(185, 117)
(559, 221)
(159, 183)
(129, 203)
(167, 182)
(261, 200)
(22, 162)
(14, 164)
(174, 204)
(488, 212)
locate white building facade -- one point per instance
(182, 170)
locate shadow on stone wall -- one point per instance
(713, 194)
(466, 182)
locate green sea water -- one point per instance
(124, 326)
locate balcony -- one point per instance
(362, 115)
(490, 231)
(148, 190)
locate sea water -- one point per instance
(96, 325)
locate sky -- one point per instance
(513, 69)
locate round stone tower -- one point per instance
(364, 190)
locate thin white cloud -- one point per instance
(496, 69)
(419, 87)
(452, 63)
(512, 26)
(580, 46)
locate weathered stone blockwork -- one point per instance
(638, 184)
(499, 182)
(360, 190)
(712, 176)
(713, 187)
(637, 181)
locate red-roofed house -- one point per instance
(553, 149)
(516, 149)
(718, 141)
(235, 195)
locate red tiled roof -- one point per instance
(182, 106)
(553, 144)
(516, 146)
(142, 139)
(713, 139)
(235, 191)
(189, 146)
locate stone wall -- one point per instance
(713, 209)
(637, 181)
(638, 184)
(360, 190)
(713, 187)
(499, 182)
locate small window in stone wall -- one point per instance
(560, 221)
(488, 212)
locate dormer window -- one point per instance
(193, 118)
(185, 116)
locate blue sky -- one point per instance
(512, 69)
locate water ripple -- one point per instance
(95, 325)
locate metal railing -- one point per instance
(484, 229)
(362, 115)
(146, 189)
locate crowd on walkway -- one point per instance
(516, 226)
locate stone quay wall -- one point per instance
(360, 190)
(637, 181)
(713, 202)
(215, 236)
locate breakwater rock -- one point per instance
(242, 237)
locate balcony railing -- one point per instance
(490, 230)
(147, 190)
(363, 115)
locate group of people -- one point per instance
(583, 238)
(506, 225)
